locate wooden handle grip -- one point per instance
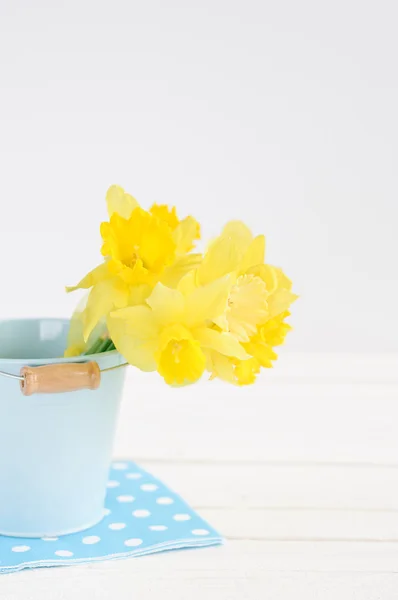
(55, 379)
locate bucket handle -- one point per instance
(56, 379)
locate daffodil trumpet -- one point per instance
(169, 309)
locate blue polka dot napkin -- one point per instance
(142, 516)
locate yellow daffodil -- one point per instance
(173, 332)
(140, 248)
(257, 304)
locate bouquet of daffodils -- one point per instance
(181, 313)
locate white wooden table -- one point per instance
(300, 474)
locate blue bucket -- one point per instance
(55, 449)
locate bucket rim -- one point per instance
(49, 359)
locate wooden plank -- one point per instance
(278, 423)
(265, 486)
(240, 570)
(304, 524)
(335, 367)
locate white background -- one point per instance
(280, 113)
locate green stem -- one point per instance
(93, 349)
(99, 346)
(106, 345)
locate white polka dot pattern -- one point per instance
(64, 553)
(120, 466)
(91, 539)
(112, 484)
(141, 516)
(133, 542)
(148, 487)
(164, 500)
(141, 513)
(117, 526)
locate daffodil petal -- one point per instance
(175, 331)
(247, 307)
(207, 302)
(138, 321)
(164, 213)
(222, 257)
(283, 280)
(226, 253)
(74, 350)
(280, 301)
(246, 371)
(187, 285)
(138, 294)
(118, 201)
(220, 366)
(136, 275)
(263, 353)
(139, 351)
(182, 265)
(268, 274)
(273, 277)
(254, 255)
(222, 342)
(92, 278)
(274, 331)
(104, 297)
(237, 372)
(76, 344)
(167, 304)
(185, 235)
(239, 233)
(223, 323)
